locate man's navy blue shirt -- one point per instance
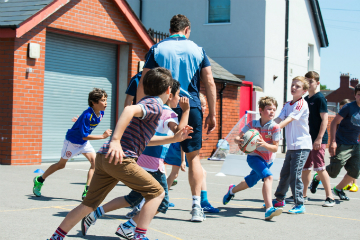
(349, 128)
(133, 85)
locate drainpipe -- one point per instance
(221, 104)
(141, 9)
(286, 59)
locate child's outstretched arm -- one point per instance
(283, 124)
(185, 107)
(180, 136)
(270, 147)
(106, 134)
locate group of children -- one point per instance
(147, 135)
(305, 121)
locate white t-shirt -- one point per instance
(297, 132)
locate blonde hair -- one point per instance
(267, 101)
(303, 80)
(202, 97)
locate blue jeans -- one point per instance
(134, 198)
(260, 170)
(290, 175)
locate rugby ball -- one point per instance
(250, 141)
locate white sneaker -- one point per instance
(329, 202)
(135, 211)
(197, 214)
(86, 222)
(125, 231)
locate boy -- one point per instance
(295, 118)
(152, 160)
(134, 130)
(344, 145)
(76, 139)
(318, 120)
(177, 159)
(261, 159)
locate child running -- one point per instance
(151, 160)
(76, 139)
(295, 118)
(262, 158)
(134, 130)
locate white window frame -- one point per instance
(310, 57)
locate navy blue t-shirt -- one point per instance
(133, 85)
(317, 104)
(349, 128)
(83, 127)
(185, 60)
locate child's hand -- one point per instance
(184, 104)
(183, 166)
(74, 119)
(261, 142)
(332, 149)
(115, 151)
(239, 141)
(107, 133)
(183, 134)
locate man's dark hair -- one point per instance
(179, 23)
(313, 74)
(357, 88)
(175, 87)
(156, 81)
(95, 95)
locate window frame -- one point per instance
(207, 15)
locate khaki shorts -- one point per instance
(347, 156)
(107, 175)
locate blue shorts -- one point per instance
(195, 121)
(260, 170)
(173, 156)
(134, 198)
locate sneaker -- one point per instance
(208, 208)
(140, 238)
(354, 188)
(329, 202)
(37, 187)
(314, 184)
(125, 231)
(272, 212)
(171, 204)
(174, 182)
(85, 192)
(291, 199)
(87, 221)
(347, 187)
(277, 204)
(133, 212)
(197, 214)
(228, 196)
(340, 194)
(297, 209)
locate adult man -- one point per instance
(188, 64)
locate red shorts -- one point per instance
(316, 159)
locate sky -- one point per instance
(342, 24)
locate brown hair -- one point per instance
(95, 95)
(345, 101)
(303, 80)
(313, 75)
(267, 101)
(156, 81)
(357, 88)
(179, 23)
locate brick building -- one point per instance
(53, 52)
(346, 89)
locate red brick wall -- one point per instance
(328, 128)
(231, 106)
(21, 138)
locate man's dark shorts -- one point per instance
(195, 121)
(347, 156)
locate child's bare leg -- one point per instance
(203, 186)
(241, 186)
(136, 218)
(306, 178)
(173, 175)
(344, 182)
(91, 157)
(75, 216)
(115, 204)
(325, 179)
(266, 191)
(148, 211)
(54, 167)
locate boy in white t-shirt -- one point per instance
(294, 117)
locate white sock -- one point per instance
(231, 192)
(133, 222)
(196, 200)
(268, 209)
(142, 203)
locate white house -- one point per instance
(247, 37)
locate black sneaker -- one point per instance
(340, 194)
(314, 184)
(329, 202)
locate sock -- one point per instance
(338, 189)
(203, 197)
(99, 212)
(231, 192)
(268, 209)
(142, 203)
(59, 234)
(130, 223)
(196, 200)
(40, 179)
(139, 233)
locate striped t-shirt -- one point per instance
(270, 132)
(152, 159)
(140, 130)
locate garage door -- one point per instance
(73, 67)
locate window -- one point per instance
(310, 58)
(219, 11)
